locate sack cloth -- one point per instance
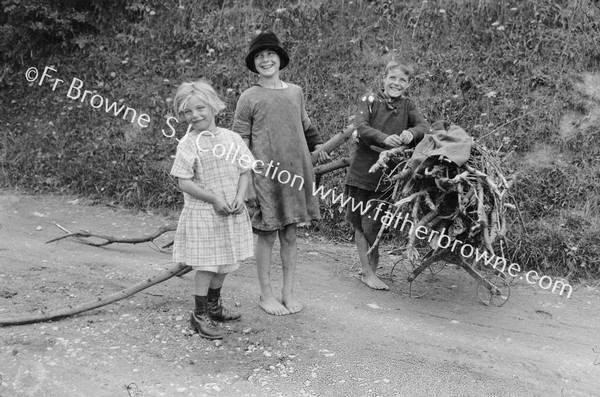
(445, 143)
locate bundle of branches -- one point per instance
(466, 202)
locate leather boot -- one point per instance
(219, 313)
(201, 322)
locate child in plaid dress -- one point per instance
(214, 232)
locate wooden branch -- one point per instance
(411, 252)
(380, 233)
(410, 198)
(386, 156)
(334, 142)
(334, 165)
(62, 313)
(482, 219)
(110, 240)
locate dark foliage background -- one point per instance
(506, 71)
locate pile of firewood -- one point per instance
(467, 202)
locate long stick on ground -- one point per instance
(62, 313)
(110, 240)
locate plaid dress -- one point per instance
(204, 239)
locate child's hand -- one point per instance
(237, 206)
(320, 157)
(406, 137)
(221, 207)
(393, 141)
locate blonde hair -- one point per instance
(203, 90)
(404, 67)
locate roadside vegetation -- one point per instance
(509, 72)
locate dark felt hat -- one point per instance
(266, 41)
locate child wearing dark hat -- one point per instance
(272, 120)
(385, 119)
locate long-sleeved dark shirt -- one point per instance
(376, 120)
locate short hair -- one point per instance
(203, 90)
(403, 66)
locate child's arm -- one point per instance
(242, 119)
(313, 139)
(312, 136)
(238, 203)
(314, 142)
(369, 135)
(418, 125)
(220, 206)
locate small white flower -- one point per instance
(371, 98)
(501, 27)
(152, 13)
(514, 9)
(491, 94)
(442, 11)
(496, 23)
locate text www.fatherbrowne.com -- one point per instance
(389, 218)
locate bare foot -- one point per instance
(272, 306)
(293, 305)
(373, 281)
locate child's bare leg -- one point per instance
(263, 252)
(289, 258)
(217, 281)
(202, 281)
(369, 263)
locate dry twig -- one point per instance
(467, 201)
(111, 240)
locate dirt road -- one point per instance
(348, 341)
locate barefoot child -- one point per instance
(214, 232)
(386, 119)
(272, 120)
